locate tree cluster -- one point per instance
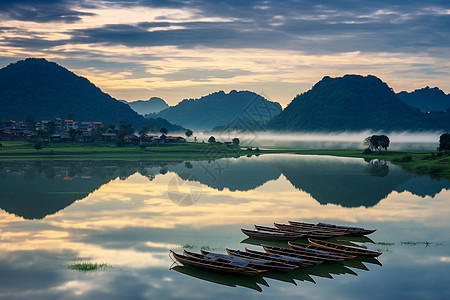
(377, 142)
(444, 142)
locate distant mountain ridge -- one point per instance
(151, 106)
(222, 109)
(45, 90)
(353, 103)
(428, 99)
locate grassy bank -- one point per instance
(420, 162)
(430, 163)
(110, 151)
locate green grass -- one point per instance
(419, 162)
(412, 243)
(110, 151)
(205, 248)
(86, 266)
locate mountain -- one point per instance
(159, 123)
(243, 108)
(353, 102)
(144, 107)
(428, 99)
(45, 90)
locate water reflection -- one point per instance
(52, 186)
(120, 214)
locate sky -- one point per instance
(180, 49)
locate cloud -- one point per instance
(41, 11)
(202, 45)
(303, 26)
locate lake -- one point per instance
(125, 216)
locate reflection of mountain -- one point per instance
(423, 186)
(235, 174)
(347, 182)
(42, 196)
(35, 190)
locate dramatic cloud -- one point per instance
(160, 45)
(41, 10)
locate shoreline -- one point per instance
(420, 162)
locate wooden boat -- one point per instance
(296, 228)
(305, 233)
(350, 230)
(319, 250)
(301, 262)
(343, 248)
(215, 266)
(255, 263)
(326, 259)
(274, 236)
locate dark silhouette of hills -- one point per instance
(159, 123)
(34, 190)
(235, 175)
(144, 107)
(353, 102)
(428, 99)
(221, 110)
(45, 90)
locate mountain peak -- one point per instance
(45, 90)
(351, 102)
(428, 99)
(220, 109)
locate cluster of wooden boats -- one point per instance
(300, 230)
(281, 259)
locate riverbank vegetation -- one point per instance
(432, 163)
(110, 151)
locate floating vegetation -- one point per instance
(87, 267)
(411, 243)
(205, 248)
(385, 243)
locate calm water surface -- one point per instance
(128, 215)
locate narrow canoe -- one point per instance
(305, 233)
(319, 250)
(214, 266)
(343, 248)
(326, 259)
(274, 236)
(349, 229)
(301, 262)
(255, 263)
(297, 228)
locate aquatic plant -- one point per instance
(87, 266)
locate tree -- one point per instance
(164, 130)
(73, 134)
(37, 146)
(211, 140)
(51, 129)
(444, 142)
(189, 133)
(144, 130)
(377, 142)
(236, 141)
(124, 130)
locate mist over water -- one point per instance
(332, 140)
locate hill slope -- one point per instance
(45, 90)
(144, 107)
(429, 99)
(222, 109)
(353, 102)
